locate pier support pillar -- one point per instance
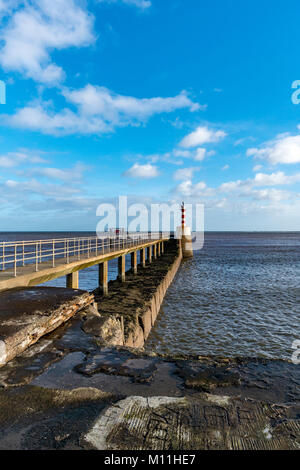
(158, 249)
(72, 280)
(162, 247)
(103, 273)
(155, 251)
(134, 262)
(121, 268)
(143, 257)
(149, 254)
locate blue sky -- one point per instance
(160, 100)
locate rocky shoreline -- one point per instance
(67, 392)
(72, 389)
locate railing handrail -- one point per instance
(48, 240)
(14, 254)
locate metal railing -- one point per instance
(66, 250)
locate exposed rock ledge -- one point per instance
(26, 314)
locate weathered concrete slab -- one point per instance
(208, 422)
(26, 314)
(35, 418)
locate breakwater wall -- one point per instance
(129, 311)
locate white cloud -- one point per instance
(7, 6)
(200, 154)
(243, 140)
(276, 179)
(249, 187)
(185, 173)
(12, 159)
(246, 189)
(38, 117)
(260, 179)
(238, 185)
(147, 171)
(95, 100)
(38, 28)
(70, 174)
(143, 4)
(257, 168)
(33, 186)
(225, 167)
(182, 153)
(283, 149)
(202, 135)
(273, 194)
(99, 111)
(188, 189)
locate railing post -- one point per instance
(37, 257)
(53, 254)
(23, 254)
(15, 263)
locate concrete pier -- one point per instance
(149, 254)
(134, 262)
(27, 308)
(121, 268)
(103, 277)
(72, 280)
(143, 257)
(17, 272)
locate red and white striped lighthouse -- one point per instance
(184, 234)
(182, 217)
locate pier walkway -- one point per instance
(33, 262)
